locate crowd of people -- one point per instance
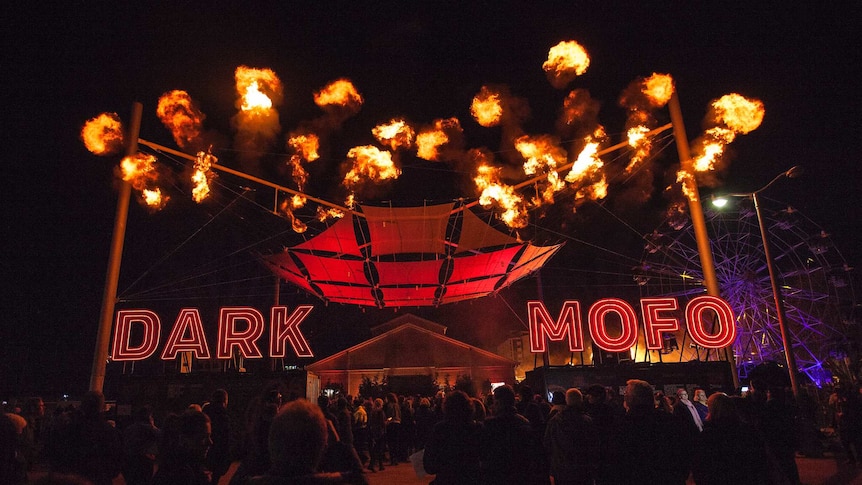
(582, 436)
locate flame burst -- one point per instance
(103, 135)
(587, 170)
(287, 207)
(339, 94)
(257, 88)
(542, 154)
(429, 142)
(259, 91)
(658, 89)
(487, 107)
(202, 175)
(369, 164)
(395, 134)
(179, 114)
(140, 171)
(732, 114)
(493, 191)
(566, 61)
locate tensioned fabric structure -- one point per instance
(408, 256)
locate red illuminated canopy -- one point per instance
(408, 256)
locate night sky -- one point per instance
(420, 60)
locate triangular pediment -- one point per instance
(408, 318)
(410, 344)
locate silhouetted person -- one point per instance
(185, 442)
(773, 414)
(729, 451)
(13, 465)
(218, 458)
(392, 410)
(452, 451)
(255, 459)
(572, 442)
(512, 452)
(89, 445)
(377, 434)
(140, 447)
(297, 440)
(649, 446)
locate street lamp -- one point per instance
(770, 265)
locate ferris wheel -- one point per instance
(813, 277)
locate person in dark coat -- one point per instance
(729, 450)
(255, 459)
(425, 421)
(140, 447)
(219, 458)
(452, 451)
(297, 440)
(571, 440)
(649, 446)
(89, 445)
(511, 451)
(185, 442)
(377, 434)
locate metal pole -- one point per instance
(109, 297)
(779, 303)
(697, 220)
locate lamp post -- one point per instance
(786, 339)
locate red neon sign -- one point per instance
(657, 320)
(238, 328)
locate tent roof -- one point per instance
(413, 256)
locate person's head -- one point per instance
(34, 406)
(504, 398)
(682, 394)
(596, 393)
(92, 403)
(219, 397)
(392, 398)
(558, 398)
(722, 409)
(297, 438)
(143, 414)
(479, 412)
(700, 395)
(574, 398)
(458, 406)
(187, 435)
(378, 403)
(639, 396)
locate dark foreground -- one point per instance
(829, 470)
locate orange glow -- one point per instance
(140, 171)
(179, 115)
(395, 134)
(658, 88)
(493, 191)
(738, 113)
(370, 164)
(324, 214)
(287, 207)
(588, 163)
(566, 61)
(202, 175)
(687, 180)
(103, 135)
(429, 141)
(641, 145)
(542, 154)
(487, 108)
(306, 145)
(339, 93)
(257, 88)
